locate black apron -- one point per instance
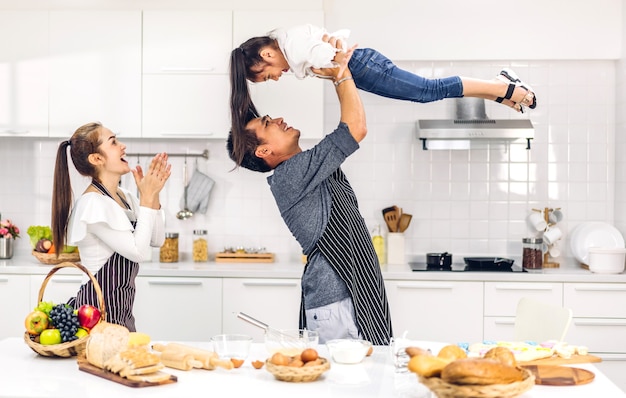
(117, 282)
(347, 246)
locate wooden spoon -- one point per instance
(405, 220)
(390, 214)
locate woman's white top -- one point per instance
(304, 48)
(100, 227)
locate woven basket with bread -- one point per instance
(70, 348)
(451, 374)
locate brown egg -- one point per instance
(296, 363)
(279, 359)
(236, 362)
(309, 355)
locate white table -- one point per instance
(23, 374)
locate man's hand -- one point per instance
(341, 59)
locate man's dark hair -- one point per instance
(249, 160)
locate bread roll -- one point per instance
(452, 352)
(413, 351)
(501, 354)
(480, 371)
(427, 365)
(104, 342)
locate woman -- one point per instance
(113, 230)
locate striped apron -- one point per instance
(347, 246)
(117, 282)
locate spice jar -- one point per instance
(169, 250)
(200, 246)
(532, 253)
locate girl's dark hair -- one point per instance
(242, 109)
(84, 142)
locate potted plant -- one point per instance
(8, 233)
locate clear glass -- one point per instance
(532, 253)
(200, 246)
(169, 250)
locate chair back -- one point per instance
(540, 321)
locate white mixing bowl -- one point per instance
(603, 260)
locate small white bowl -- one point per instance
(603, 260)
(348, 351)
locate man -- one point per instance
(343, 293)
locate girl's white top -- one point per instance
(304, 48)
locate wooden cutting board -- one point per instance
(94, 370)
(556, 360)
(549, 375)
(244, 257)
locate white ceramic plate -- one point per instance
(593, 234)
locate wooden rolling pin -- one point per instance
(179, 360)
(209, 359)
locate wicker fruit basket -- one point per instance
(297, 374)
(70, 348)
(52, 259)
(446, 390)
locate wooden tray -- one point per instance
(548, 375)
(94, 370)
(244, 257)
(556, 360)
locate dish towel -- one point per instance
(198, 191)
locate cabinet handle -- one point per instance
(520, 286)
(504, 322)
(186, 70)
(3, 280)
(599, 322)
(66, 280)
(425, 286)
(186, 133)
(288, 284)
(182, 283)
(603, 288)
(15, 132)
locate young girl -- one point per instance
(113, 230)
(301, 48)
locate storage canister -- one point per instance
(169, 250)
(200, 245)
(532, 253)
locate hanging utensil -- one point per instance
(185, 213)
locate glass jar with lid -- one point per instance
(532, 253)
(200, 246)
(169, 250)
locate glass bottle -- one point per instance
(532, 253)
(169, 251)
(379, 245)
(200, 246)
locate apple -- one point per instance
(50, 337)
(81, 332)
(88, 316)
(36, 322)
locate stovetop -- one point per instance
(462, 267)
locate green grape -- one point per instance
(45, 306)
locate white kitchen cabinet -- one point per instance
(446, 311)
(501, 300)
(186, 106)
(62, 286)
(300, 102)
(178, 309)
(14, 296)
(24, 73)
(599, 320)
(95, 71)
(186, 41)
(483, 30)
(275, 302)
(185, 73)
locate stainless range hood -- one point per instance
(472, 123)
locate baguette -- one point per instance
(480, 371)
(209, 359)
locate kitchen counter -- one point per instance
(23, 373)
(26, 264)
